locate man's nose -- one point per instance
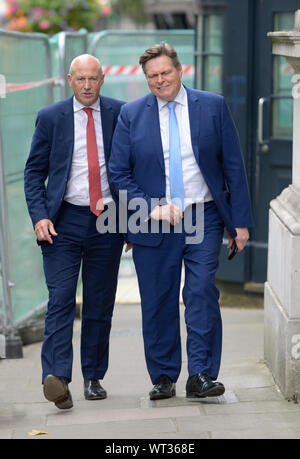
(160, 79)
(87, 83)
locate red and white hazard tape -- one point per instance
(137, 70)
(13, 87)
(122, 70)
(107, 70)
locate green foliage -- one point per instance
(135, 9)
(52, 16)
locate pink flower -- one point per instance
(105, 7)
(37, 12)
(11, 8)
(44, 24)
(106, 10)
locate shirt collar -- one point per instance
(78, 105)
(181, 98)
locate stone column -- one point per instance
(282, 289)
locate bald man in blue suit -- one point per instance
(57, 189)
(212, 175)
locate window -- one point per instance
(209, 52)
(282, 101)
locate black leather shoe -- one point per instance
(56, 390)
(201, 385)
(164, 388)
(93, 390)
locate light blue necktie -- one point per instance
(176, 176)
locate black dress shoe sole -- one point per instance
(160, 396)
(213, 392)
(55, 391)
(95, 397)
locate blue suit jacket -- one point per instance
(51, 154)
(137, 163)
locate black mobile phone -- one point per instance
(232, 251)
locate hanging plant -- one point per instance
(52, 16)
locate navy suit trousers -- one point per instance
(79, 245)
(159, 276)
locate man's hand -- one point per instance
(173, 214)
(128, 247)
(44, 229)
(240, 239)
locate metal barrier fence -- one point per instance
(33, 72)
(119, 53)
(64, 47)
(24, 58)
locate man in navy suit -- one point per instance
(177, 150)
(71, 147)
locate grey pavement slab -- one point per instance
(252, 406)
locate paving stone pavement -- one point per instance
(252, 407)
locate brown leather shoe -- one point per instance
(93, 390)
(56, 390)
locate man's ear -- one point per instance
(180, 70)
(102, 79)
(69, 76)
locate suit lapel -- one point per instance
(66, 126)
(153, 125)
(153, 128)
(107, 121)
(194, 107)
(198, 122)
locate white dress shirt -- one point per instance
(195, 187)
(77, 191)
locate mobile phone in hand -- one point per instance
(232, 251)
